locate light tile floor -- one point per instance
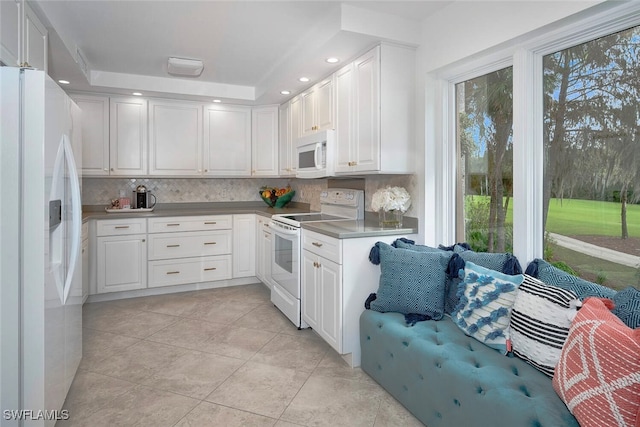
(219, 357)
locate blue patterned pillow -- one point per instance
(413, 247)
(486, 299)
(627, 306)
(411, 282)
(554, 276)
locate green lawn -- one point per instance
(573, 217)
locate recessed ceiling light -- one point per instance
(137, 94)
(332, 60)
(285, 92)
(63, 82)
(304, 79)
(217, 100)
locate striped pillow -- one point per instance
(540, 322)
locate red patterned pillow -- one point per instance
(598, 375)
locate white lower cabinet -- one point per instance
(244, 245)
(189, 270)
(199, 255)
(121, 256)
(263, 250)
(337, 278)
(322, 297)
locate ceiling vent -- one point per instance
(185, 67)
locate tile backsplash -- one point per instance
(100, 191)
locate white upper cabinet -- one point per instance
(285, 143)
(344, 117)
(35, 42)
(10, 32)
(382, 119)
(264, 141)
(95, 134)
(227, 140)
(365, 146)
(175, 138)
(128, 136)
(317, 107)
(23, 38)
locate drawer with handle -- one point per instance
(325, 246)
(119, 227)
(190, 223)
(189, 244)
(189, 270)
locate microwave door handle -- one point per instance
(316, 156)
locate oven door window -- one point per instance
(283, 253)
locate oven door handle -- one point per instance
(276, 228)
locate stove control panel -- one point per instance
(341, 196)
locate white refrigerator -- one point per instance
(40, 247)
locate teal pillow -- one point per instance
(627, 306)
(420, 248)
(554, 276)
(411, 282)
(486, 299)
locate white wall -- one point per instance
(468, 27)
(459, 31)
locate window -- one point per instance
(484, 112)
(591, 185)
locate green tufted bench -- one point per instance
(447, 379)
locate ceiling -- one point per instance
(251, 50)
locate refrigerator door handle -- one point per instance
(76, 215)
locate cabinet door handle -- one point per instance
(319, 245)
(266, 225)
(173, 272)
(144, 240)
(210, 223)
(210, 269)
(173, 246)
(209, 243)
(121, 226)
(173, 225)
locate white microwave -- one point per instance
(315, 155)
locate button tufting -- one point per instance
(515, 371)
(405, 388)
(391, 355)
(438, 415)
(368, 337)
(480, 390)
(476, 364)
(438, 365)
(406, 344)
(523, 389)
(456, 402)
(421, 377)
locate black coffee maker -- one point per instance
(142, 198)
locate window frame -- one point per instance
(525, 55)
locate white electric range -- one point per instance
(336, 204)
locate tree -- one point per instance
(591, 120)
(487, 119)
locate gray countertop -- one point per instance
(347, 229)
(193, 209)
(350, 229)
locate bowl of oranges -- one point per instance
(277, 197)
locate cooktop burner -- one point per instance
(335, 205)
